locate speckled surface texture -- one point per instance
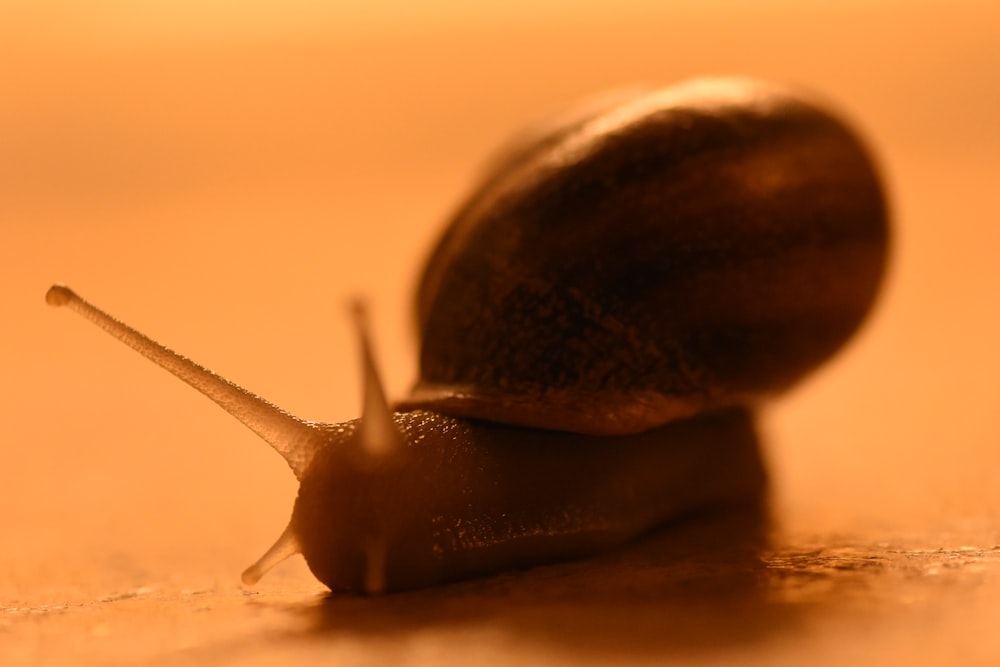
(709, 591)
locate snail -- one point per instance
(599, 322)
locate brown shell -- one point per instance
(702, 245)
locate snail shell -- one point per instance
(703, 245)
(597, 323)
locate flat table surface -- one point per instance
(226, 183)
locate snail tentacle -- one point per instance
(378, 434)
(286, 546)
(293, 438)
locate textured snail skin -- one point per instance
(597, 324)
(702, 245)
(464, 499)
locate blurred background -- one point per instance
(225, 176)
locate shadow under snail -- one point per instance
(598, 323)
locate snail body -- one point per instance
(464, 498)
(597, 324)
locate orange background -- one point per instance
(224, 176)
